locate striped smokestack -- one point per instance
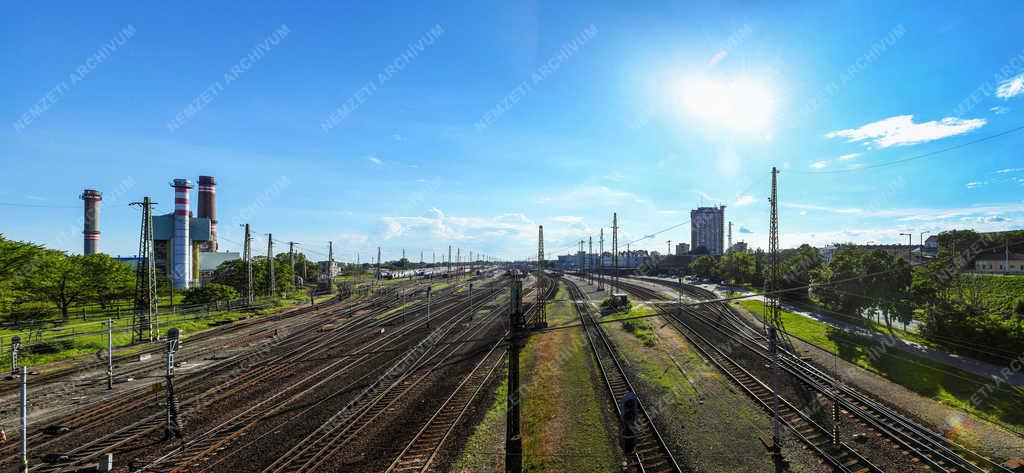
(208, 208)
(181, 249)
(91, 224)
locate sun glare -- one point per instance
(742, 105)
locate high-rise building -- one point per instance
(707, 229)
(682, 248)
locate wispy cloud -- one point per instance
(902, 131)
(1009, 170)
(847, 157)
(974, 184)
(567, 219)
(374, 160)
(999, 109)
(1011, 87)
(819, 165)
(744, 200)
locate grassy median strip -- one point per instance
(946, 384)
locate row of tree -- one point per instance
(952, 306)
(35, 281)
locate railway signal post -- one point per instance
(23, 414)
(172, 427)
(517, 329)
(110, 354)
(15, 348)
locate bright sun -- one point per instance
(742, 105)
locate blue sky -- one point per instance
(416, 126)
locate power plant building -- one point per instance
(707, 225)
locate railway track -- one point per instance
(652, 453)
(231, 377)
(372, 354)
(415, 368)
(929, 447)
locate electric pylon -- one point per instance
(145, 276)
(542, 313)
(615, 250)
(270, 261)
(600, 263)
(247, 257)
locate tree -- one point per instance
(799, 269)
(858, 280)
(209, 293)
(705, 267)
(107, 279)
(59, 279)
(738, 267)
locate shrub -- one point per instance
(209, 293)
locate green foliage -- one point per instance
(233, 274)
(799, 268)
(642, 329)
(209, 293)
(857, 280)
(705, 267)
(738, 267)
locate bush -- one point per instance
(209, 293)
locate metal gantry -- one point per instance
(145, 277)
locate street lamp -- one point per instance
(910, 245)
(921, 242)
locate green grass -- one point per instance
(563, 409)
(484, 450)
(641, 328)
(948, 385)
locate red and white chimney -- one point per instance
(91, 223)
(208, 208)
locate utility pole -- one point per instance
(145, 276)
(110, 354)
(172, 426)
(23, 413)
(773, 320)
(247, 256)
(615, 250)
(730, 238)
(291, 262)
(517, 328)
(428, 306)
(542, 313)
(377, 276)
(669, 253)
(910, 246)
(330, 267)
(600, 263)
(449, 260)
(590, 259)
(271, 280)
(582, 261)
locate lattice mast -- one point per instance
(145, 277)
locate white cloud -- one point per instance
(819, 165)
(1011, 87)
(973, 184)
(999, 109)
(902, 131)
(841, 210)
(744, 200)
(375, 160)
(1009, 170)
(567, 219)
(590, 195)
(847, 157)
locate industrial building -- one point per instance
(707, 229)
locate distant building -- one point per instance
(682, 248)
(1012, 263)
(739, 247)
(209, 261)
(827, 252)
(164, 232)
(707, 229)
